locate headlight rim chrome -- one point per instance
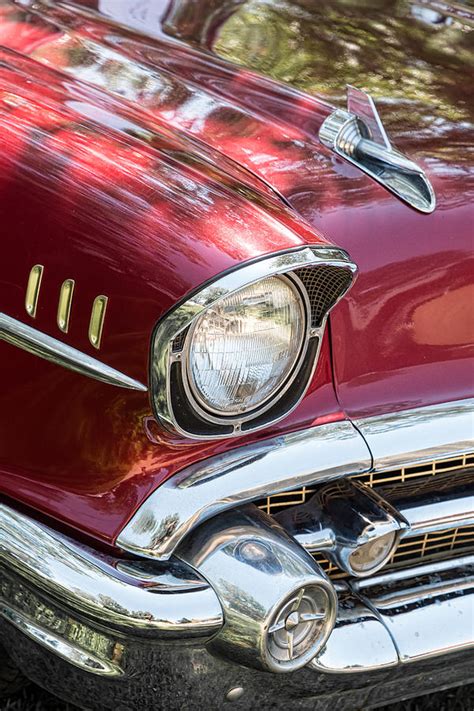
(173, 410)
(240, 418)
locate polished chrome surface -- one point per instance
(29, 339)
(314, 524)
(419, 435)
(340, 518)
(70, 651)
(358, 136)
(361, 104)
(429, 613)
(92, 610)
(176, 322)
(410, 615)
(298, 460)
(360, 642)
(96, 324)
(33, 289)
(431, 569)
(242, 475)
(65, 304)
(279, 609)
(439, 511)
(133, 596)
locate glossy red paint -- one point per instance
(92, 192)
(140, 167)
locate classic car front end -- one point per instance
(236, 451)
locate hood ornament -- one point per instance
(358, 136)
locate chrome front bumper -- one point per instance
(207, 605)
(91, 609)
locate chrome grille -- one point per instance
(325, 285)
(406, 480)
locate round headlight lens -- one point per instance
(243, 349)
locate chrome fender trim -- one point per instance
(40, 344)
(307, 457)
(240, 476)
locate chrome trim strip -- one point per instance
(414, 436)
(454, 511)
(128, 596)
(181, 317)
(428, 615)
(240, 476)
(39, 344)
(427, 569)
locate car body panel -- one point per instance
(150, 166)
(145, 222)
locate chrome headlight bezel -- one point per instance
(174, 404)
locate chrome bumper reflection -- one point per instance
(223, 482)
(131, 597)
(428, 611)
(89, 609)
(408, 616)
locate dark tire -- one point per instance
(11, 678)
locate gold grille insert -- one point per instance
(428, 469)
(428, 544)
(410, 550)
(273, 504)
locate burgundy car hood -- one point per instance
(152, 106)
